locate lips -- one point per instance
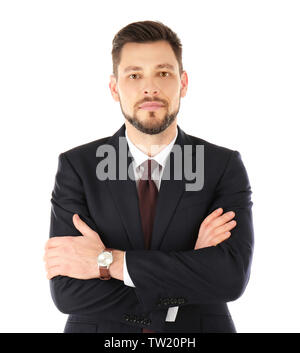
(149, 105)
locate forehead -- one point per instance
(147, 54)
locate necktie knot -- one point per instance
(148, 167)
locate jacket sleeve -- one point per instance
(108, 299)
(208, 275)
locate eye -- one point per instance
(133, 76)
(164, 74)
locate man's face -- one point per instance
(148, 73)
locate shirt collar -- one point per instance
(140, 157)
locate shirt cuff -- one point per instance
(126, 277)
(172, 313)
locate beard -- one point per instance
(151, 128)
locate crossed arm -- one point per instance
(76, 257)
(214, 273)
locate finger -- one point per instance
(223, 236)
(53, 272)
(52, 252)
(80, 225)
(219, 221)
(52, 262)
(54, 242)
(83, 228)
(51, 243)
(216, 213)
(58, 241)
(224, 228)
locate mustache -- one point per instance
(152, 100)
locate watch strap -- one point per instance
(104, 273)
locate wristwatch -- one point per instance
(105, 258)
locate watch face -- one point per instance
(105, 258)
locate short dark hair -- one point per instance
(143, 32)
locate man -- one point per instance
(148, 251)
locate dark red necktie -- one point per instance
(147, 192)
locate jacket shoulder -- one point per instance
(216, 157)
(211, 148)
(86, 148)
(82, 157)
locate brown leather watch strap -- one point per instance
(103, 271)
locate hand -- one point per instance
(74, 256)
(215, 229)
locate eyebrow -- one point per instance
(159, 66)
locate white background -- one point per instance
(242, 58)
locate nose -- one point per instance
(149, 92)
(150, 89)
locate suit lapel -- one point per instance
(170, 193)
(124, 194)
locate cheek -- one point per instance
(128, 92)
(174, 95)
(171, 90)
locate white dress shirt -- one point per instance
(138, 158)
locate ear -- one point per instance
(184, 84)
(114, 88)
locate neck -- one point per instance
(151, 144)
